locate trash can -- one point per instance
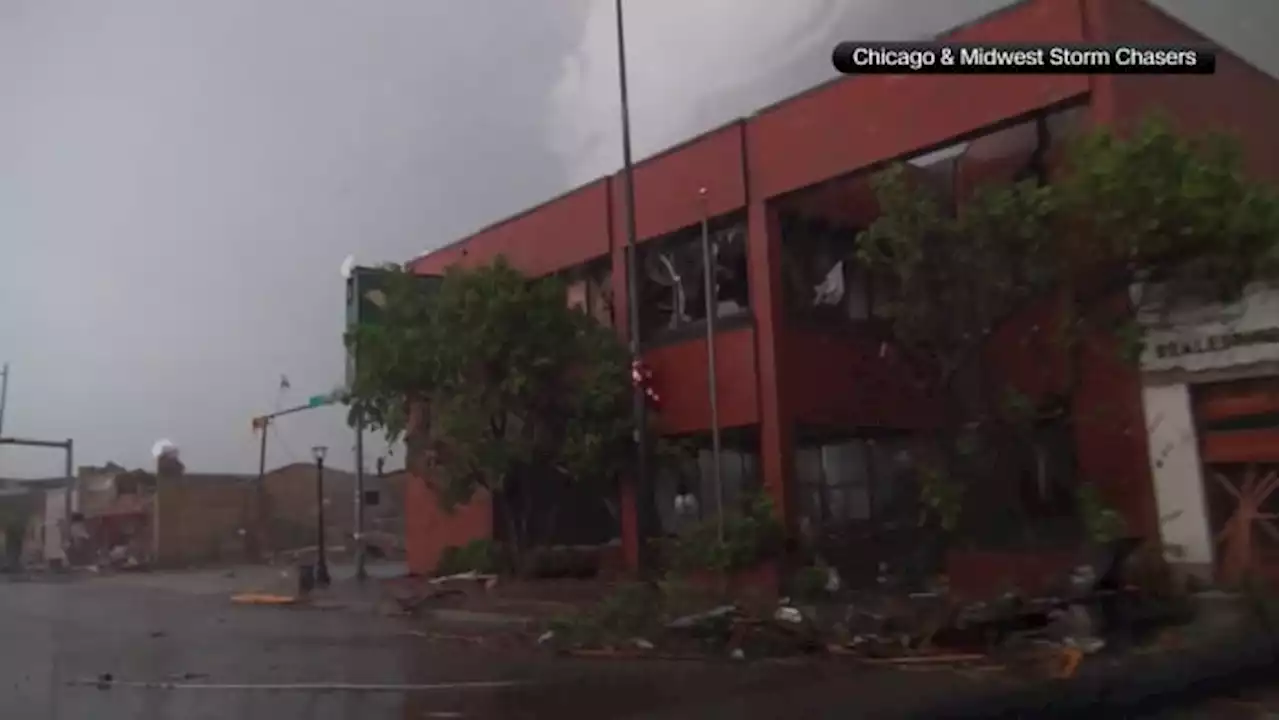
(306, 579)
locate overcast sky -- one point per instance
(180, 179)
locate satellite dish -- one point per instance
(162, 448)
(348, 266)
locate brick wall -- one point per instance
(290, 504)
(429, 528)
(198, 520)
(290, 497)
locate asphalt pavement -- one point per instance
(161, 648)
(172, 646)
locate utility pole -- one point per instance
(4, 394)
(643, 490)
(262, 424)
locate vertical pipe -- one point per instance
(644, 493)
(361, 572)
(709, 294)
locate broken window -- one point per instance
(590, 288)
(673, 285)
(823, 278)
(938, 171)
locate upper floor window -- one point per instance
(590, 288)
(822, 277)
(673, 284)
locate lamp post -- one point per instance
(709, 288)
(322, 564)
(643, 490)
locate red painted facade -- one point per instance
(800, 153)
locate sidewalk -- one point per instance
(240, 579)
(373, 596)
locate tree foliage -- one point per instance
(495, 380)
(1152, 209)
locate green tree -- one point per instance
(1154, 210)
(495, 382)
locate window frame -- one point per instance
(877, 473)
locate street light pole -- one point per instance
(712, 307)
(358, 529)
(643, 491)
(4, 394)
(322, 563)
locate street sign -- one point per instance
(319, 400)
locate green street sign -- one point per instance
(319, 400)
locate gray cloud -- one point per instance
(180, 181)
(694, 66)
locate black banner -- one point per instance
(916, 58)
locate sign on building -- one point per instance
(1214, 337)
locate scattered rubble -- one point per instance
(894, 627)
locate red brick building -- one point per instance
(803, 382)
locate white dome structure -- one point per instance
(162, 448)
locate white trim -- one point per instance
(1177, 475)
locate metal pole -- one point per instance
(67, 506)
(262, 449)
(361, 573)
(4, 394)
(322, 564)
(260, 513)
(709, 291)
(644, 494)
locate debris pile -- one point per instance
(1095, 610)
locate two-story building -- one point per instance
(812, 408)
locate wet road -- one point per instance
(190, 656)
